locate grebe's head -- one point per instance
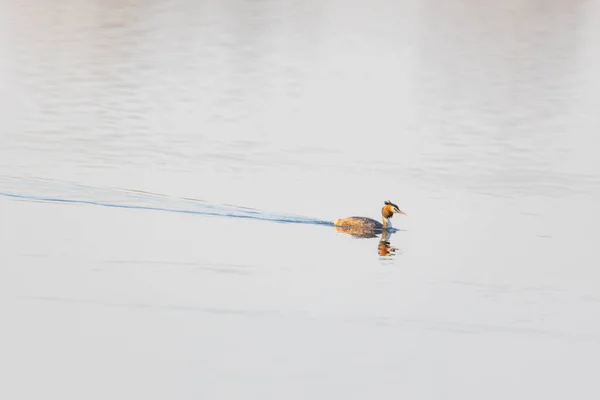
(389, 209)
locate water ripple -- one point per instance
(51, 191)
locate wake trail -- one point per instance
(51, 191)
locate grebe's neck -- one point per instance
(387, 222)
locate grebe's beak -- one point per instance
(399, 211)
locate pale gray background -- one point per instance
(479, 119)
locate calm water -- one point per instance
(169, 170)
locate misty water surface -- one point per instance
(169, 171)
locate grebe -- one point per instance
(368, 224)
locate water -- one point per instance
(169, 172)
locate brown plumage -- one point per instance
(362, 224)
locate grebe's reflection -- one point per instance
(384, 248)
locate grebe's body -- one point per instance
(368, 224)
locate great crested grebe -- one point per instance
(368, 224)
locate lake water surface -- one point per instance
(169, 171)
